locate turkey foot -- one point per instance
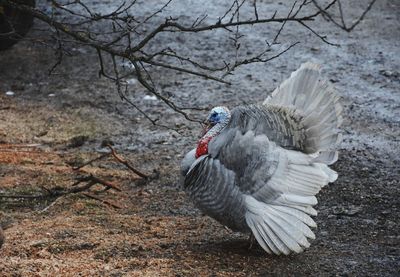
(250, 241)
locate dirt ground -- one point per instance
(53, 123)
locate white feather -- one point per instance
(277, 229)
(316, 100)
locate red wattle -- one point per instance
(202, 147)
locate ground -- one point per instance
(55, 122)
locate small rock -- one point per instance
(385, 212)
(349, 211)
(44, 254)
(10, 93)
(150, 97)
(323, 233)
(17, 87)
(143, 193)
(77, 141)
(42, 133)
(39, 243)
(390, 73)
(51, 95)
(106, 142)
(128, 65)
(131, 81)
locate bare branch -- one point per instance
(284, 22)
(119, 35)
(57, 191)
(342, 25)
(255, 9)
(323, 38)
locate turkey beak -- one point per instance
(206, 126)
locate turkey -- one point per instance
(257, 168)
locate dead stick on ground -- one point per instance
(115, 205)
(91, 181)
(91, 161)
(30, 145)
(51, 204)
(118, 158)
(104, 183)
(124, 162)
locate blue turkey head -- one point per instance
(218, 115)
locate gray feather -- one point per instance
(212, 187)
(188, 161)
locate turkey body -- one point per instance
(266, 162)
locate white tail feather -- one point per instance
(316, 100)
(282, 225)
(278, 229)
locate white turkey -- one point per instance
(258, 168)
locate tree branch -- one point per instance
(119, 34)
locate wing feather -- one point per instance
(212, 187)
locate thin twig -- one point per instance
(53, 203)
(91, 161)
(112, 204)
(126, 163)
(104, 183)
(342, 25)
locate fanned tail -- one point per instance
(279, 229)
(282, 225)
(316, 100)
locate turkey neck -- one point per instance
(215, 130)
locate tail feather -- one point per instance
(264, 240)
(281, 231)
(283, 225)
(297, 234)
(327, 157)
(265, 237)
(299, 218)
(278, 229)
(316, 100)
(308, 210)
